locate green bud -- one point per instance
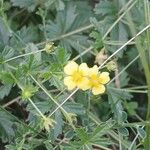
(49, 47)
(28, 92)
(111, 66)
(48, 123)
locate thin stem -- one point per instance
(120, 143)
(96, 120)
(119, 18)
(40, 113)
(67, 34)
(127, 66)
(11, 102)
(117, 43)
(138, 87)
(36, 108)
(60, 105)
(139, 33)
(19, 56)
(47, 93)
(83, 53)
(128, 90)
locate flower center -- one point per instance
(77, 76)
(94, 80)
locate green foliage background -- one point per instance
(85, 31)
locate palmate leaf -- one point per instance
(70, 19)
(26, 35)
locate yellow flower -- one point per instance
(97, 80)
(76, 76)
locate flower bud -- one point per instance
(49, 47)
(48, 123)
(111, 66)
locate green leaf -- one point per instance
(57, 82)
(62, 56)
(141, 132)
(82, 134)
(4, 33)
(6, 127)
(67, 21)
(123, 131)
(131, 107)
(33, 48)
(59, 124)
(6, 77)
(101, 129)
(116, 106)
(26, 35)
(30, 5)
(44, 107)
(5, 90)
(58, 4)
(105, 7)
(8, 52)
(75, 108)
(48, 145)
(98, 39)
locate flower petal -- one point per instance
(98, 89)
(70, 68)
(104, 78)
(93, 70)
(84, 84)
(68, 81)
(84, 69)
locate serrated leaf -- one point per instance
(26, 35)
(75, 108)
(57, 82)
(33, 48)
(105, 7)
(6, 77)
(131, 107)
(116, 106)
(4, 33)
(59, 124)
(8, 52)
(44, 107)
(6, 127)
(67, 21)
(30, 5)
(62, 56)
(5, 90)
(101, 129)
(82, 134)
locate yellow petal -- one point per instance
(70, 68)
(84, 84)
(98, 89)
(68, 81)
(84, 69)
(93, 70)
(104, 78)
